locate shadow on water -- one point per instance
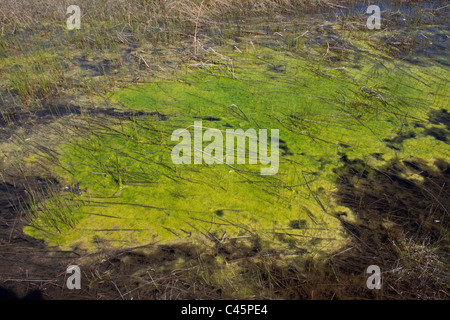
(440, 117)
(19, 118)
(386, 194)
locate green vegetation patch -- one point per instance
(129, 192)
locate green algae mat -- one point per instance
(328, 107)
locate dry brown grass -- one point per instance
(15, 13)
(30, 12)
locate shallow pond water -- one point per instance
(335, 94)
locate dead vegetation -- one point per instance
(24, 13)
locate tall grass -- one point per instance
(20, 13)
(53, 213)
(39, 80)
